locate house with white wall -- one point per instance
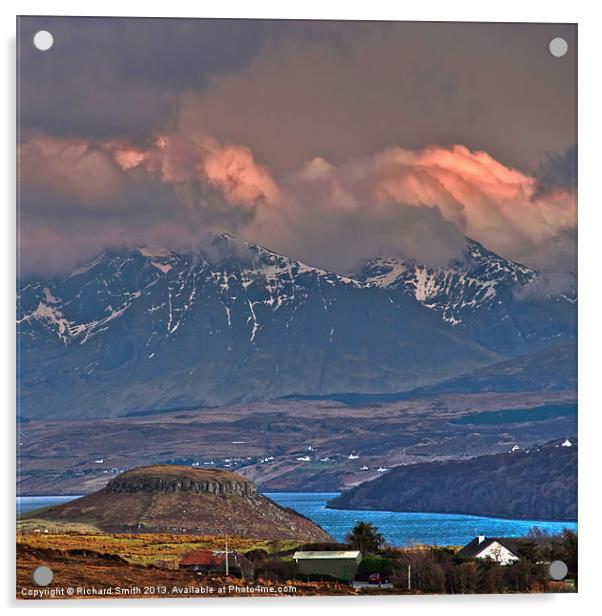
(502, 550)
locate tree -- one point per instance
(536, 532)
(427, 574)
(463, 578)
(275, 569)
(365, 537)
(569, 551)
(528, 551)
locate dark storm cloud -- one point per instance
(558, 172)
(124, 76)
(335, 89)
(494, 87)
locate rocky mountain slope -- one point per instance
(551, 369)
(179, 499)
(502, 305)
(538, 483)
(144, 329)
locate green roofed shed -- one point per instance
(341, 564)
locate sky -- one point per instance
(331, 142)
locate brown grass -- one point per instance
(101, 573)
(144, 549)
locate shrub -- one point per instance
(463, 578)
(275, 569)
(427, 575)
(376, 564)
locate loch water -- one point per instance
(398, 528)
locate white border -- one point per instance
(587, 14)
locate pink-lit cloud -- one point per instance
(416, 203)
(229, 167)
(477, 195)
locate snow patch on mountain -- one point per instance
(162, 267)
(470, 283)
(250, 284)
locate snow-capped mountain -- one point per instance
(499, 303)
(78, 307)
(150, 328)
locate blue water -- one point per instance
(403, 529)
(29, 503)
(399, 529)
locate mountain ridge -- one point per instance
(499, 303)
(234, 322)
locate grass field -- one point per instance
(88, 561)
(139, 549)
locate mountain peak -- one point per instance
(236, 321)
(493, 298)
(477, 268)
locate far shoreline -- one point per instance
(368, 509)
(471, 515)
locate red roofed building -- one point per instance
(206, 562)
(201, 560)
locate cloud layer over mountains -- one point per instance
(329, 142)
(174, 187)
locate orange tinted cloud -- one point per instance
(486, 200)
(229, 167)
(129, 158)
(417, 203)
(233, 169)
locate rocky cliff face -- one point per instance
(159, 480)
(180, 499)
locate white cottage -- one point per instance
(502, 550)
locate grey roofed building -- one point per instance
(503, 550)
(481, 543)
(340, 564)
